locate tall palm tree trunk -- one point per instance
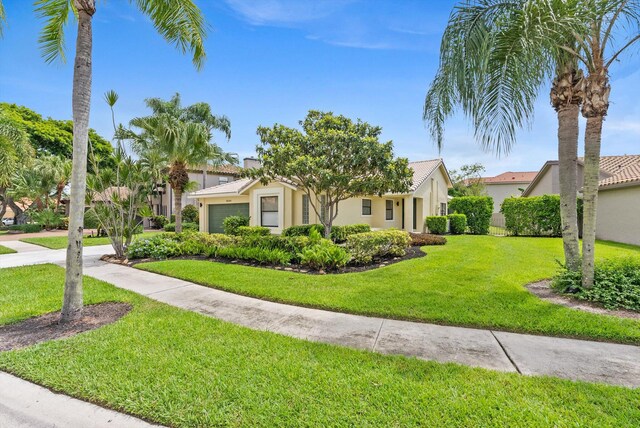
(566, 97)
(592, 140)
(177, 207)
(72, 303)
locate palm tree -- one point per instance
(15, 153)
(608, 25)
(181, 144)
(494, 59)
(180, 22)
(163, 133)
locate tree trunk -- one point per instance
(592, 140)
(3, 202)
(177, 207)
(72, 303)
(568, 130)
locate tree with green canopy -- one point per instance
(332, 159)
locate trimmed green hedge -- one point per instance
(457, 224)
(253, 231)
(477, 209)
(437, 224)
(171, 227)
(532, 216)
(365, 247)
(303, 230)
(338, 233)
(233, 222)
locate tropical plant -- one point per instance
(180, 22)
(182, 138)
(117, 196)
(333, 159)
(15, 154)
(494, 58)
(467, 181)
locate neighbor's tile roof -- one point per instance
(511, 177)
(422, 170)
(630, 174)
(219, 169)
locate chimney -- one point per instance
(251, 163)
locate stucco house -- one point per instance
(281, 204)
(163, 197)
(506, 185)
(618, 216)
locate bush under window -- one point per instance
(365, 247)
(437, 224)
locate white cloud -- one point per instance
(279, 12)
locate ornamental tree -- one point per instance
(331, 159)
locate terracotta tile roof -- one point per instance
(511, 177)
(422, 170)
(630, 174)
(616, 164)
(220, 169)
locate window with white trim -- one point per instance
(269, 211)
(305, 209)
(388, 210)
(443, 208)
(366, 207)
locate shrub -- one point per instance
(156, 247)
(256, 254)
(477, 209)
(47, 217)
(325, 255)
(159, 221)
(364, 247)
(26, 228)
(171, 227)
(232, 223)
(302, 230)
(457, 224)
(437, 224)
(253, 231)
(533, 216)
(340, 233)
(190, 214)
(421, 239)
(91, 220)
(616, 284)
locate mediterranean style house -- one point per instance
(281, 204)
(618, 217)
(506, 185)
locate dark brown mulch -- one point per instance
(47, 327)
(412, 253)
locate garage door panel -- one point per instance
(218, 212)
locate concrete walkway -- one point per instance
(509, 352)
(26, 405)
(22, 247)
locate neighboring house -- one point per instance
(163, 198)
(618, 217)
(506, 185)
(280, 204)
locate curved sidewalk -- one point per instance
(610, 363)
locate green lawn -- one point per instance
(5, 250)
(472, 280)
(184, 369)
(59, 242)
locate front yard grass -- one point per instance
(59, 242)
(474, 281)
(5, 250)
(184, 369)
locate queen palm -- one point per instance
(181, 144)
(493, 63)
(159, 135)
(180, 22)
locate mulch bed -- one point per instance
(412, 253)
(543, 290)
(47, 327)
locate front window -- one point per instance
(389, 210)
(366, 207)
(305, 209)
(443, 209)
(269, 211)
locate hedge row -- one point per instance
(338, 233)
(532, 216)
(477, 209)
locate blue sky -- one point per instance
(270, 61)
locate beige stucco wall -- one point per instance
(502, 191)
(548, 184)
(619, 215)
